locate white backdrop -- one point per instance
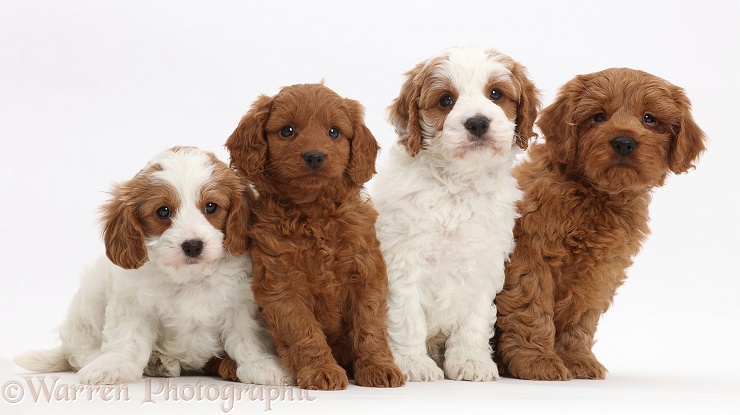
(90, 90)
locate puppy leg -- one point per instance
(128, 336)
(407, 328)
(526, 342)
(373, 364)
(573, 344)
(82, 331)
(247, 342)
(468, 353)
(302, 345)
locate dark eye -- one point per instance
(287, 131)
(334, 132)
(210, 208)
(496, 94)
(600, 117)
(446, 101)
(648, 118)
(163, 212)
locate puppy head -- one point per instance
(621, 129)
(306, 135)
(183, 211)
(466, 102)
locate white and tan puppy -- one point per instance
(174, 290)
(446, 199)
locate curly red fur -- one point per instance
(585, 214)
(319, 276)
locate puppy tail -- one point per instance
(44, 361)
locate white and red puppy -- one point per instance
(174, 290)
(446, 199)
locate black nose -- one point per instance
(624, 145)
(477, 125)
(192, 248)
(314, 159)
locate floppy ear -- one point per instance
(364, 148)
(403, 112)
(237, 222)
(527, 107)
(247, 145)
(557, 124)
(122, 232)
(688, 141)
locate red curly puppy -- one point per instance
(610, 138)
(319, 276)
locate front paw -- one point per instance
(538, 367)
(585, 367)
(419, 368)
(260, 372)
(470, 368)
(379, 375)
(109, 371)
(162, 366)
(325, 377)
(226, 368)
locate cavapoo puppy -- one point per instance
(174, 290)
(610, 138)
(319, 276)
(446, 200)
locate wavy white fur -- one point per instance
(176, 311)
(445, 220)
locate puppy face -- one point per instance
(467, 103)
(622, 129)
(183, 211)
(306, 136)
